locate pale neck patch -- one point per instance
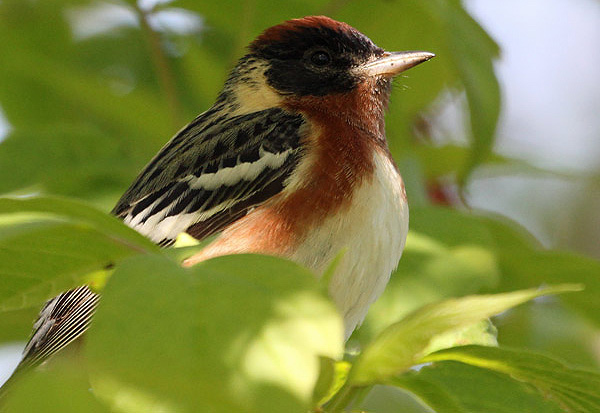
(252, 93)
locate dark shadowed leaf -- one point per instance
(474, 389)
(436, 397)
(574, 390)
(62, 389)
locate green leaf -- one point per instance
(472, 56)
(66, 90)
(445, 160)
(390, 399)
(574, 390)
(458, 228)
(430, 271)
(16, 325)
(474, 389)
(322, 390)
(483, 333)
(520, 260)
(63, 159)
(471, 52)
(401, 345)
(331, 379)
(240, 333)
(526, 268)
(433, 395)
(61, 389)
(49, 244)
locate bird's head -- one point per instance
(315, 58)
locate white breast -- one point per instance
(372, 234)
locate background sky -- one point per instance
(548, 73)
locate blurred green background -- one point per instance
(504, 120)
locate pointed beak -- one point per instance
(393, 63)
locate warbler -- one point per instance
(291, 160)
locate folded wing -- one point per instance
(211, 173)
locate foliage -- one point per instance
(88, 105)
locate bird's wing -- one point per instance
(211, 173)
(62, 320)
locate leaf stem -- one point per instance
(342, 399)
(165, 76)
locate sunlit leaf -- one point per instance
(430, 271)
(331, 379)
(239, 333)
(483, 333)
(402, 344)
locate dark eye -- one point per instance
(320, 58)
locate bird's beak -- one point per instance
(393, 63)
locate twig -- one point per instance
(165, 76)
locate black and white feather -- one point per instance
(62, 320)
(212, 172)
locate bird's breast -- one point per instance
(370, 233)
(346, 196)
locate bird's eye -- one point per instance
(320, 58)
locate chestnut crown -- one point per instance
(313, 56)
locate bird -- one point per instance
(291, 160)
